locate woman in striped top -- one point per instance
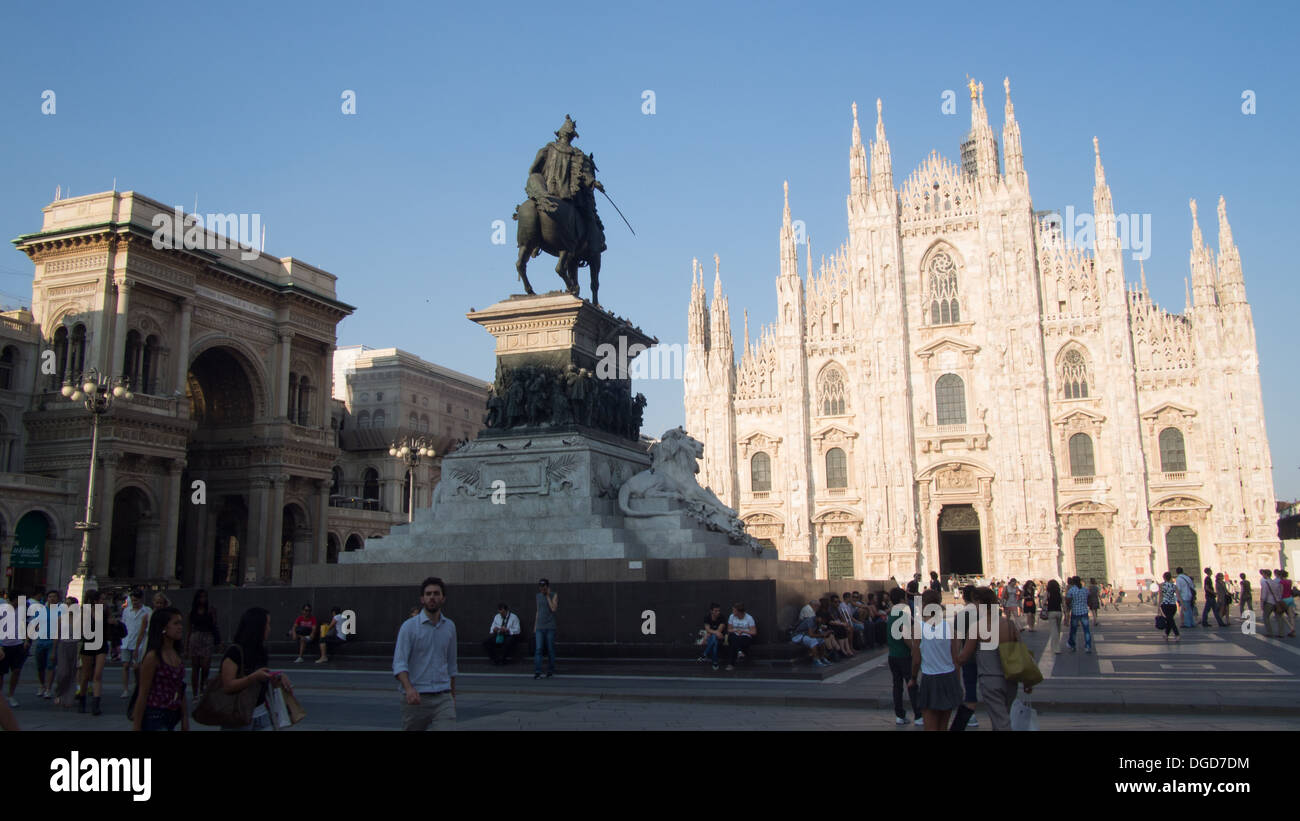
(1169, 605)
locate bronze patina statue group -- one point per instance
(559, 216)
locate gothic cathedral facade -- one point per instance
(961, 389)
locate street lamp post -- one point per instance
(98, 393)
(410, 449)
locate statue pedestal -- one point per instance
(542, 482)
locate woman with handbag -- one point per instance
(996, 690)
(159, 702)
(202, 639)
(243, 668)
(1052, 613)
(1167, 603)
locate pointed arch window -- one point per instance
(149, 365)
(941, 289)
(950, 400)
(131, 360)
(61, 354)
(370, 485)
(1173, 451)
(413, 421)
(77, 352)
(304, 401)
(760, 473)
(837, 468)
(292, 413)
(832, 395)
(380, 419)
(1074, 374)
(1081, 456)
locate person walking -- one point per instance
(136, 621)
(160, 702)
(1186, 592)
(93, 657)
(934, 663)
(1077, 597)
(424, 663)
(1094, 601)
(1167, 603)
(1270, 599)
(1222, 600)
(1244, 601)
(900, 658)
(203, 639)
(1211, 601)
(1029, 593)
(996, 691)
(43, 648)
(16, 649)
(1288, 601)
(544, 627)
(1053, 610)
(965, 715)
(245, 665)
(65, 660)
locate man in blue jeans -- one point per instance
(1078, 596)
(544, 629)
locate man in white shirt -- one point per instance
(503, 635)
(136, 621)
(740, 633)
(1186, 588)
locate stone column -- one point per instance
(282, 376)
(174, 497)
(275, 524)
(119, 328)
(183, 347)
(106, 485)
(320, 538)
(257, 548)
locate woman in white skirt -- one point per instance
(934, 657)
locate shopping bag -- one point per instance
(1161, 623)
(279, 712)
(1018, 663)
(1024, 718)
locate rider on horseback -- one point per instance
(561, 171)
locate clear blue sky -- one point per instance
(239, 104)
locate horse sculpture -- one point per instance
(561, 232)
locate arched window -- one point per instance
(61, 354)
(1081, 460)
(424, 423)
(336, 481)
(77, 352)
(837, 468)
(950, 400)
(8, 364)
(839, 558)
(380, 419)
(304, 401)
(1074, 374)
(1173, 453)
(131, 360)
(760, 473)
(149, 365)
(370, 485)
(413, 422)
(292, 413)
(941, 276)
(363, 420)
(832, 397)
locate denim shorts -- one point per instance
(157, 719)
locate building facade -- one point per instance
(218, 470)
(961, 389)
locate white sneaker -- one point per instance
(920, 722)
(40, 692)
(298, 660)
(901, 722)
(125, 693)
(972, 722)
(13, 702)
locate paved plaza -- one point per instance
(1215, 678)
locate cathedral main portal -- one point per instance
(959, 541)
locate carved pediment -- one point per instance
(834, 435)
(762, 519)
(758, 441)
(1086, 506)
(1181, 503)
(837, 516)
(1171, 411)
(947, 343)
(1080, 419)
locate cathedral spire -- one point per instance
(1142, 275)
(697, 314)
(720, 327)
(1011, 141)
(1103, 208)
(745, 354)
(789, 255)
(985, 150)
(882, 170)
(1232, 284)
(1203, 278)
(858, 180)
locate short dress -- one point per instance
(941, 684)
(203, 635)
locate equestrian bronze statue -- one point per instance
(559, 216)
